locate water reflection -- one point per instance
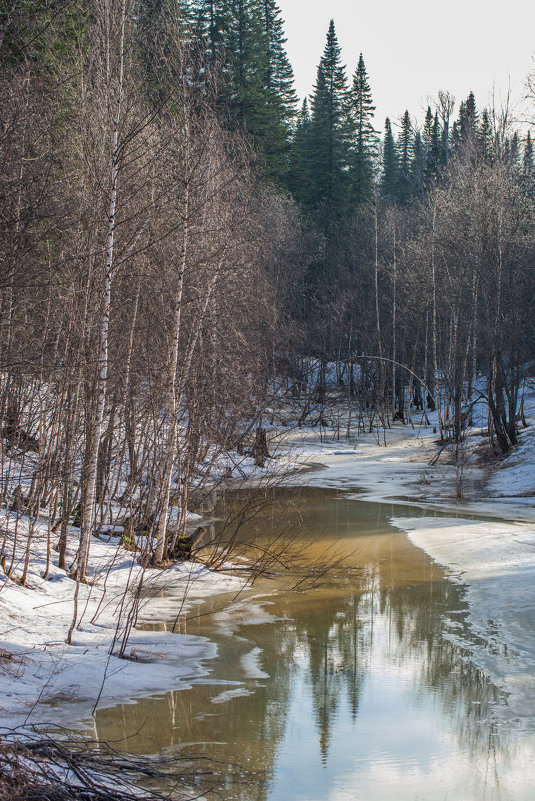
(355, 690)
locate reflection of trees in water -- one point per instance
(336, 647)
(422, 619)
(323, 643)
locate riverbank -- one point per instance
(45, 681)
(42, 680)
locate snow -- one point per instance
(251, 663)
(228, 695)
(47, 681)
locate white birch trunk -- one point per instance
(170, 456)
(88, 517)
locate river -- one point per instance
(360, 688)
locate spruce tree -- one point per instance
(466, 129)
(279, 77)
(300, 181)
(528, 165)
(405, 150)
(434, 157)
(515, 151)
(244, 41)
(366, 146)
(390, 176)
(528, 162)
(456, 137)
(212, 24)
(486, 138)
(158, 23)
(330, 131)
(418, 165)
(427, 132)
(471, 111)
(280, 97)
(246, 48)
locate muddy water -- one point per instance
(358, 688)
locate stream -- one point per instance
(358, 688)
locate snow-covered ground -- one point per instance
(44, 680)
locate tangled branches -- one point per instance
(41, 767)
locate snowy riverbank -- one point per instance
(44, 680)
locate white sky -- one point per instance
(414, 48)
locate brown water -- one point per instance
(360, 688)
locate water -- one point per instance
(359, 688)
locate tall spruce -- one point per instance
(528, 161)
(330, 131)
(418, 165)
(515, 151)
(390, 173)
(212, 23)
(366, 145)
(405, 150)
(434, 160)
(300, 181)
(279, 92)
(466, 128)
(427, 131)
(244, 41)
(159, 25)
(485, 138)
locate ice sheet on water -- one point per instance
(496, 561)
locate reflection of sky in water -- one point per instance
(355, 696)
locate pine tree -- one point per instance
(390, 176)
(280, 97)
(418, 165)
(366, 146)
(434, 161)
(300, 180)
(528, 162)
(405, 150)
(486, 138)
(330, 130)
(515, 151)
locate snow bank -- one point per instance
(46, 681)
(496, 562)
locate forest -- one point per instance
(182, 248)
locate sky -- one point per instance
(415, 48)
